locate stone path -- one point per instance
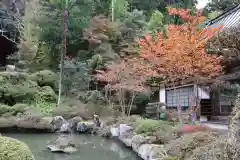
(223, 128)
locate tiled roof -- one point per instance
(228, 19)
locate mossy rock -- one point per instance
(45, 78)
(12, 149)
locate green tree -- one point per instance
(119, 9)
(221, 5)
(52, 30)
(155, 23)
(149, 6)
(213, 14)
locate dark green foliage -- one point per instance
(221, 5)
(148, 6)
(45, 78)
(9, 23)
(52, 26)
(94, 96)
(132, 25)
(141, 100)
(96, 62)
(76, 77)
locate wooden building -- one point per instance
(216, 102)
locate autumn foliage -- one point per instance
(127, 74)
(182, 53)
(178, 56)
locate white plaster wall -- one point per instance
(162, 95)
(202, 93)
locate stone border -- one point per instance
(142, 145)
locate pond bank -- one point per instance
(90, 147)
(150, 139)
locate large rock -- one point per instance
(138, 140)
(12, 149)
(60, 124)
(73, 123)
(123, 128)
(63, 144)
(85, 127)
(34, 124)
(151, 152)
(127, 138)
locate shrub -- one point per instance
(93, 97)
(141, 100)
(149, 126)
(184, 146)
(12, 149)
(5, 109)
(155, 23)
(20, 107)
(47, 94)
(45, 78)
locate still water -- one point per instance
(91, 148)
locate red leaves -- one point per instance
(128, 74)
(182, 54)
(177, 57)
(183, 13)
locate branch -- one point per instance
(8, 38)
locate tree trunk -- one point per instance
(65, 14)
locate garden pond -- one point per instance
(90, 148)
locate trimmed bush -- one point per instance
(45, 78)
(12, 149)
(150, 126)
(48, 94)
(5, 109)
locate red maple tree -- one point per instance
(129, 74)
(182, 53)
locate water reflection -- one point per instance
(91, 148)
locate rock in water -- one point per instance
(73, 123)
(60, 124)
(63, 144)
(12, 149)
(83, 127)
